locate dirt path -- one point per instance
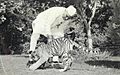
(16, 65)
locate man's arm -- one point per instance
(58, 21)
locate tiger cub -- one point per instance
(61, 47)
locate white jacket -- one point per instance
(43, 22)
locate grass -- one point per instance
(16, 65)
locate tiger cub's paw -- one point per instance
(62, 70)
(65, 69)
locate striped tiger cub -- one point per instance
(61, 47)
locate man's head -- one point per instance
(71, 10)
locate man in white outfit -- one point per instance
(45, 21)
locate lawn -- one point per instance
(16, 65)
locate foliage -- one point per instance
(16, 18)
(116, 6)
(101, 22)
(10, 25)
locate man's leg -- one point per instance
(33, 42)
(38, 63)
(43, 58)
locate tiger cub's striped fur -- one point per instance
(60, 47)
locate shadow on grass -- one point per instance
(105, 63)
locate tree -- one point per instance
(87, 24)
(95, 17)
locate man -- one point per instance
(47, 20)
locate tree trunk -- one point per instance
(87, 25)
(90, 42)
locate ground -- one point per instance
(16, 65)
